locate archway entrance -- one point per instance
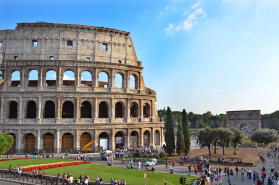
(104, 141)
(103, 110)
(48, 143)
(68, 110)
(49, 110)
(146, 110)
(13, 110)
(67, 142)
(30, 143)
(134, 139)
(13, 149)
(146, 138)
(85, 138)
(119, 140)
(157, 138)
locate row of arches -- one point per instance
(67, 144)
(69, 78)
(85, 110)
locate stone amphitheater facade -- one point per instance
(60, 115)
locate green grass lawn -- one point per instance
(25, 162)
(131, 176)
(249, 141)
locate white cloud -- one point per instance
(195, 5)
(160, 14)
(185, 13)
(167, 7)
(187, 24)
(248, 33)
(268, 5)
(66, 77)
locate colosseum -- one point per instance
(47, 110)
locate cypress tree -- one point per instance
(169, 136)
(180, 137)
(186, 132)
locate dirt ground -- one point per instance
(247, 155)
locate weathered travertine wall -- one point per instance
(66, 114)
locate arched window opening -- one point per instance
(134, 139)
(86, 78)
(146, 138)
(104, 141)
(13, 148)
(118, 81)
(85, 110)
(51, 78)
(85, 138)
(146, 110)
(68, 110)
(103, 80)
(48, 143)
(157, 137)
(133, 82)
(69, 78)
(30, 143)
(15, 81)
(31, 109)
(49, 109)
(33, 78)
(67, 142)
(119, 110)
(134, 110)
(13, 110)
(119, 140)
(103, 110)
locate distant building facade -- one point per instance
(246, 120)
(60, 114)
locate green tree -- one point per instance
(186, 132)
(6, 142)
(274, 124)
(205, 138)
(265, 136)
(169, 136)
(237, 137)
(215, 138)
(225, 138)
(180, 137)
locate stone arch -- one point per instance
(119, 139)
(33, 78)
(120, 110)
(30, 142)
(134, 139)
(146, 138)
(13, 110)
(68, 109)
(13, 148)
(31, 110)
(86, 78)
(157, 138)
(51, 77)
(48, 143)
(49, 109)
(119, 80)
(15, 78)
(146, 110)
(85, 110)
(67, 142)
(85, 138)
(69, 78)
(134, 81)
(103, 139)
(134, 110)
(103, 78)
(103, 109)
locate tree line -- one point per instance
(183, 133)
(224, 137)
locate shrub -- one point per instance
(162, 155)
(136, 154)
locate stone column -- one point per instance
(128, 110)
(141, 137)
(58, 111)
(139, 81)
(40, 79)
(151, 109)
(96, 143)
(127, 81)
(39, 110)
(57, 143)
(112, 79)
(96, 115)
(76, 141)
(140, 111)
(127, 145)
(152, 137)
(19, 116)
(112, 145)
(59, 78)
(22, 75)
(161, 136)
(18, 141)
(38, 140)
(2, 109)
(110, 76)
(78, 77)
(112, 109)
(95, 79)
(77, 113)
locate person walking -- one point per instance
(166, 162)
(229, 178)
(236, 171)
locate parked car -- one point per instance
(151, 162)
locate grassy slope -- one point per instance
(25, 162)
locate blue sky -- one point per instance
(213, 55)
